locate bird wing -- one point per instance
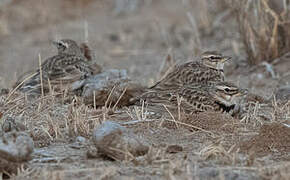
(197, 73)
(65, 68)
(177, 77)
(196, 98)
(61, 69)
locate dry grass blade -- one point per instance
(139, 117)
(216, 150)
(15, 89)
(27, 107)
(94, 95)
(40, 72)
(109, 97)
(191, 126)
(123, 92)
(171, 115)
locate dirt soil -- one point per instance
(138, 39)
(271, 137)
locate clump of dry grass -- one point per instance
(264, 28)
(79, 121)
(49, 118)
(217, 151)
(258, 113)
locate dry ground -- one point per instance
(214, 146)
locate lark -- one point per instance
(69, 65)
(221, 97)
(210, 68)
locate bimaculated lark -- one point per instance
(220, 96)
(208, 69)
(69, 65)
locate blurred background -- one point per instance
(138, 35)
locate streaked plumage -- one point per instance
(208, 69)
(221, 96)
(69, 65)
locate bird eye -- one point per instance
(227, 89)
(62, 44)
(214, 58)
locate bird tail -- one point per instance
(28, 83)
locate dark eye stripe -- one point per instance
(230, 91)
(215, 57)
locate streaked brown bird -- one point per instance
(204, 71)
(221, 96)
(69, 65)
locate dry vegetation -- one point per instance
(264, 28)
(203, 146)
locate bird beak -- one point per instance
(226, 58)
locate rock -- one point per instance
(81, 139)
(16, 146)
(15, 149)
(99, 80)
(115, 141)
(111, 84)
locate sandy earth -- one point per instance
(138, 41)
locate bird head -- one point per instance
(227, 93)
(67, 46)
(214, 60)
